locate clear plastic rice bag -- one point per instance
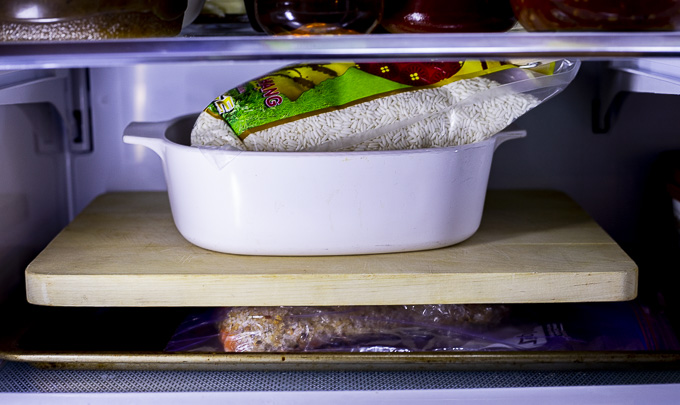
(378, 106)
(425, 328)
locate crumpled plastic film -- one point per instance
(427, 328)
(220, 156)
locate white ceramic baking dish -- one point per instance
(320, 203)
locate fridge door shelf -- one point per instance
(532, 246)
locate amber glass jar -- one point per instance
(90, 19)
(598, 15)
(403, 16)
(311, 17)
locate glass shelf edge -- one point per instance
(597, 46)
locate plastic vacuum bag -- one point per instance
(378, 106)
(425, 328)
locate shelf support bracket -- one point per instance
(66, 91)
(622, 79)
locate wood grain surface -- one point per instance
(532, 246)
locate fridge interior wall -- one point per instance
(44, 182)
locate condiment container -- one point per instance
(94, 19)
(598, 15)
(312, 17)
(404, 16)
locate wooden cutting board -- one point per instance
(532, 246)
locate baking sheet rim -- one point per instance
(345, 361)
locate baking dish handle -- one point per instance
(508, 134)
(148, 134)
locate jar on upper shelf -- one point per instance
(312, 17)
(598, 15)
(420, 16)
(94, 19)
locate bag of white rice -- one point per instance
(377, 106)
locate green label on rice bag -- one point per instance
(299, 91)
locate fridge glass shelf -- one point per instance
(208, 43)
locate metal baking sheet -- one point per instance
(134, 339)
(349, 361)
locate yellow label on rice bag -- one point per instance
(299, 91)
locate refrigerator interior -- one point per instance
(62, 147)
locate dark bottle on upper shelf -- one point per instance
(598, 15)
(313, 17)
(422, 16)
